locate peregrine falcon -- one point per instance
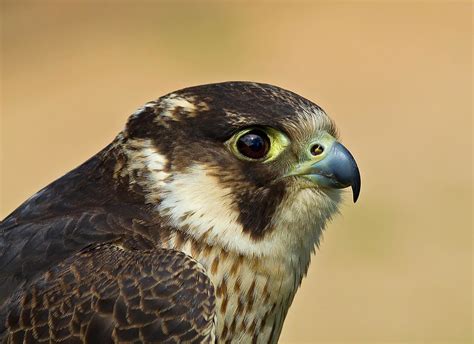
(196, 224)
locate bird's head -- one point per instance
(252, 167)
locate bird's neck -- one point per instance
(253, 293)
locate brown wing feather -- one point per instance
(110, 294)
(29, 249)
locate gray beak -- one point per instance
(337, 170)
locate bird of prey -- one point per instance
(196, 224)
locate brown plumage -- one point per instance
(109, 294)
(178, 231)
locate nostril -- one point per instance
(317, 149)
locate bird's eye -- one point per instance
(262, 144)
(254, 144)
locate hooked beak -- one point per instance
(330, 165)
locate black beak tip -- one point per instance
(356, 186)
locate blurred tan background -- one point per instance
(396, 77)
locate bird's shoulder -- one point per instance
(110, 293)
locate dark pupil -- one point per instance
(254, 144)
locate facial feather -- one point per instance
(203, 190)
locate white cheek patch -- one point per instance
(198, 202)
(199, 205)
